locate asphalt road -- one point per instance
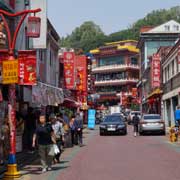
(125, 158)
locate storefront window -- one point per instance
(111, 61)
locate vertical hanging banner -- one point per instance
(27, 68)
(69, 58)
(10, 71)
(81, 67)
(155, 71)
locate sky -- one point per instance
(110, 15)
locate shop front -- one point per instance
(154, 101)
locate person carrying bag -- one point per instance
(46, 138)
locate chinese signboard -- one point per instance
(10, 72)
(155, 71)
(81, 67)
(69, 58)
(27, 68)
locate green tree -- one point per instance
(86, 37)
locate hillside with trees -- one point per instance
(89, 35)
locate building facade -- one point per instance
(116, 71)
(150, 40)
(171, 84)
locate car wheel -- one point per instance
(141, 133)
(163, 133)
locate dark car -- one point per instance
(113, 124)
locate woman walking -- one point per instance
(45, 137)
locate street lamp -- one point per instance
(12, 64)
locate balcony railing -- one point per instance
(115, 67)
(115, 82)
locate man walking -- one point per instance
(78, 123)
(135, 121)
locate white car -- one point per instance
(131, 114)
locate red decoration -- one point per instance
(33, 27)
(27, 68)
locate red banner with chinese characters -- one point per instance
(27, 68)
(155, 71)
(69, 58)
(81, 68)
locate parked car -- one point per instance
(113, 124)
(131, 114)
(151, 123)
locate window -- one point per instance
(167, 28)
(177, 65)
(173, 68)
(111, 61)
(168, 72)
(176, 28)
(134, 61)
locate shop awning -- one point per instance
(155, 92)
(45, 94)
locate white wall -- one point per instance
(41, 41)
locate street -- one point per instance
(115, 157)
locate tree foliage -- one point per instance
(89, 35)
(86, 37)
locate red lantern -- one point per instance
(33, 27)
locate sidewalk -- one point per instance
(31, 169)
(22, 159)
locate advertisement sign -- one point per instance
(81, 67)
(91, 118)
(27, 68)
(155, 71)
(10, 71)
(69, 58)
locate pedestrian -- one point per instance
(45, 137)
(135, 122)
(59, 134)
(79, 128)
(72, 128)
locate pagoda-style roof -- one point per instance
(112, 47)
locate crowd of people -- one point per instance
(51, 135)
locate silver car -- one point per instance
(151, 123)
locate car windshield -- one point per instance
(113, 119)
(152, 117)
